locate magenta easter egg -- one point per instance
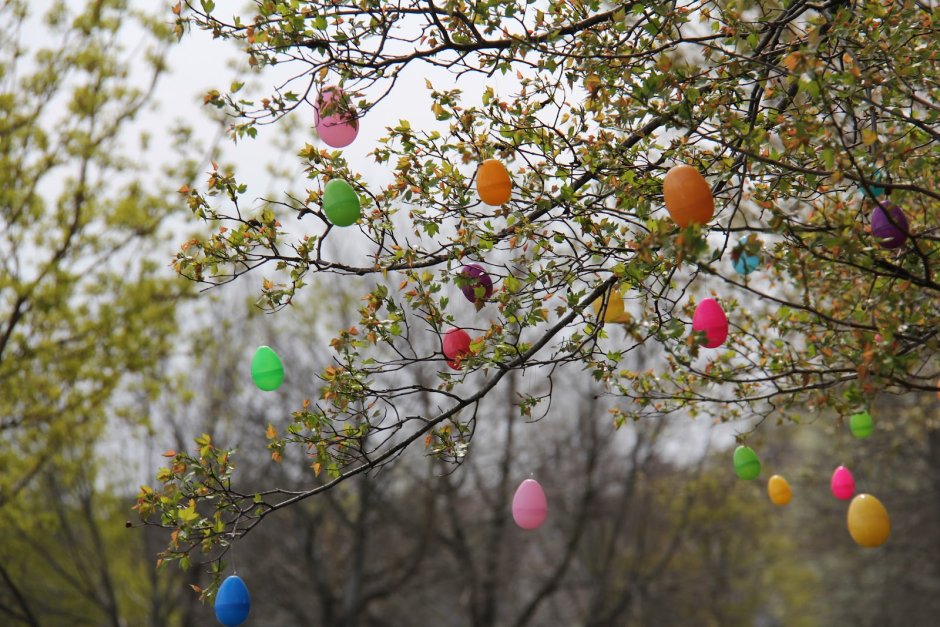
(529, 507)
(710, 319)
(456, 345)
(478, 285)
(842, 484)
(336, 120)
(890, 232)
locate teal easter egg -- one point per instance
(745, 257)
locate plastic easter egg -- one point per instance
(889, 235)
(710, 319)
(745, 257)
(687, 196)
(336, 120)
(871, 189)
(456, 345)
(842, 484)
(493, 183)
(868, 521)
(779, 490)
(746, 464)
(232, 602)
(267, 371)
(938, 388)
(341, 203)
(861, 425)
(592, 83)
(529, 508)
(478, 286)
(615, 311)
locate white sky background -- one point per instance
(198, 64)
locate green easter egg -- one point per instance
(746, 464)
(267, 371)
(861, 425)
(341, 203)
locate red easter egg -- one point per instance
(456, 345)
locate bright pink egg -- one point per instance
(842, 484)
(710, 318)
(340, 127)
(529, 508)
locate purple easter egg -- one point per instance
(478, 278)
(889, 235)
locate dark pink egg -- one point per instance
(710, 318)
(889, 232)
(477, 277)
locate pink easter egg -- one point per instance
(842, 484)
(710, 318)
(340, 126)
(456, 345)
(529, 508)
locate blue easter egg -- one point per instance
(872, 190)
(232, 602)
(742, 262)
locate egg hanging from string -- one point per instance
(477, 284)
(529, 506)
(341, 203)
(456, 346)
(615, 312)
(842, 484)
(889, 225)
(709, 318)
(778, 490)
(872, 189)
(493, 183)
(267, 370)
(688, 196)
(868, 521)
(745, 257)
(746, 463)
(335, 120)
(861, 425)
(232, 602)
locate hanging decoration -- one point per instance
(232, 602)
(889, 232)
(479, 285)
(687, 196)
(745, 257)
(861, 425)
(871, 189)
(493, 183)
(709, 318)
(746, 463)
(842, 484)
(341, 203)
(778, 489)
(615, 312)
(267, 371)
(456, 346)
(529, 507)
(868, 521)
(336, 121)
